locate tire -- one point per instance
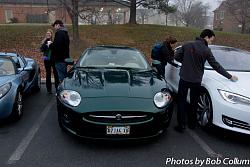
(205, 110)
(37, 83)
(17, 110)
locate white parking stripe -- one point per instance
(27, 139)
(203, 145)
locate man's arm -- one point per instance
(178, 55)
(217, 67)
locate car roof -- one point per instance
(8, 54)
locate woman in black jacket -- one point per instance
(165, 55)
(47, 61)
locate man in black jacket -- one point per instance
(60, 49)
(193, 56)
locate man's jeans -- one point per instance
(61, 69)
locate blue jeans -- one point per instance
(61, 69)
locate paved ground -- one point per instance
(37, 141)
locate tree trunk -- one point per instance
(243, 28)
(132, 18)
(75, 24)
(166, 19)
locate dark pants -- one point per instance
(48, 65)
(61, 69)
(182, 113)
(160, 69)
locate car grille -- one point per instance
(118, 117)
(235, 123)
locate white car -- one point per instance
(222, 102)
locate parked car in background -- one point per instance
(223, 103)
(18, 75)
(113, 93)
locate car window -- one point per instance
(231, 58)
(113, 57)
(15, 59)
(21, 61)
(6, 67)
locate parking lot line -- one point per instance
(27, 139)
(204, 145)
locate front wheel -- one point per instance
(17, 111)
(205, 110)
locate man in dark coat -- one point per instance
(193, 56)
(60, 49)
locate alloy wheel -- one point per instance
(204, 111)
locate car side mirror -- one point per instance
(27, 68)
(69, 61)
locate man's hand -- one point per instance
(234, 78)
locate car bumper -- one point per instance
(234, 117)
(81, 125)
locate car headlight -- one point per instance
(162, 99)
(70, 97)
(4, 89)
(234, 98)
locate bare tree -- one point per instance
(132, 5)
(192, 13)
(240, 9)
(78, 9)
(164, 7)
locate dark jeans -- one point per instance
(61, 69)
(48, 64)
(182, 113)
(160, 69)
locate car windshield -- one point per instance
(113, 58)
(231, 59)
(6, 67)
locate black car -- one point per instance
(113, 93)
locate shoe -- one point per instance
(191, 126)
(179, 129)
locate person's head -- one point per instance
(49, 34)
(208, 35)
(171, 40)
(57, 24)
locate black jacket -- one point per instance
(193, 56)
(60, 46)
(166, 54)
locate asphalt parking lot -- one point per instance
(37, 141)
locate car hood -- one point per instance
(6, 79)
(240, 87)
(115, 83)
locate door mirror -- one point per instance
(27, 68)
(69, 61)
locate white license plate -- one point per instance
(118, 130)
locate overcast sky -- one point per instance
(213, 3)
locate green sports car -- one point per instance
(113, 93)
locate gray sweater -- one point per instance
(193, 56)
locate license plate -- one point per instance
(118, 130)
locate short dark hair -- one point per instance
(171, 40)
(57, 22)
(207, 32)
